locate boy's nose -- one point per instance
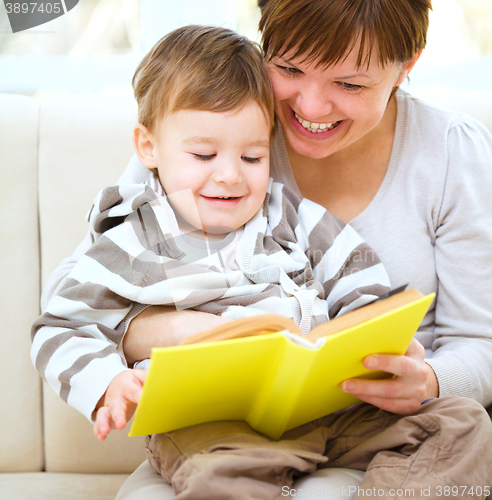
(228, 172)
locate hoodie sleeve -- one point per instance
(76, 342)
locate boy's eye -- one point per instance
(204, 157)
(288, 70)
(251, 160)
(350, 86)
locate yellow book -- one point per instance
(263, 371)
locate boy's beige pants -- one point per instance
(444, 450)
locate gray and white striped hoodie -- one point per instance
(294, 258)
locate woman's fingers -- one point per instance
(392, 395)
(401, 394)
(399, 366)
(393, 388)
(415, 348)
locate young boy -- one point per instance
(207, 230)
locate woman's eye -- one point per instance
(249, 159)
(288, 70)
(203, 157)
(350, 86)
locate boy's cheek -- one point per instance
(184, 203)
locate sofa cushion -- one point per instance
(43, 486)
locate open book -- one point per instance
(261, 370)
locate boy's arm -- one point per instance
(354, 277)
(76, 343)
(56, 280)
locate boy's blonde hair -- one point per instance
(201, 68)
(327, 30)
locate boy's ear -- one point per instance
(144, 144)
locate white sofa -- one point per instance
(55, 155)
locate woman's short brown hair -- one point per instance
(327, 30)
(201, 68)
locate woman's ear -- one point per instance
(145, 146)
(408, 66)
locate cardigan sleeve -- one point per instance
(463, 258)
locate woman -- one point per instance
(415, 182)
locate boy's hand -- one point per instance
(119, 402)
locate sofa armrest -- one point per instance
(21, 440)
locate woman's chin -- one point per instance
(311, 149)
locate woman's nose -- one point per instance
(315, 103)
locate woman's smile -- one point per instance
(314, 130)
(316, 127)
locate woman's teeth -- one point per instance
(315, 128)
